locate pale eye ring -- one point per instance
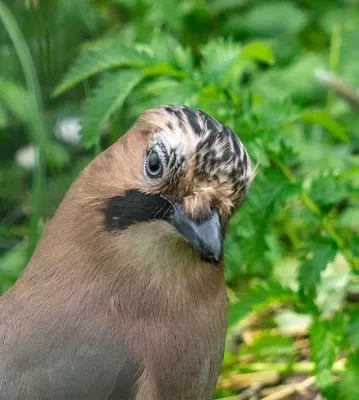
(154, 166)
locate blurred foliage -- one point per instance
(74, 75)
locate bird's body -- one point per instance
(114, 303)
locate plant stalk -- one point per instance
(35, 121)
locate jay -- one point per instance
(124, 297)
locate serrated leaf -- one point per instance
(100, 58)
(109, 96)
(163, 91)
(218, 58)
(327, 188)
(251, 225)
(324, 119)
(165, 49)
(350, 378)
(258, 51)
(325, 338)
(168, 11)
(309, 274)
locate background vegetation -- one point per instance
(74, 75)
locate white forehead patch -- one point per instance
(181, 142)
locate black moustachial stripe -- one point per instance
(122, 211)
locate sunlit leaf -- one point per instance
(100, 58)
(218, 58)
(349, 383)
(325, 340)
(258, 51)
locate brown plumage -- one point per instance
(124, 297)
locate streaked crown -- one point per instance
(208, 164)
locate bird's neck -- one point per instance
(155, 267)
(148, 266)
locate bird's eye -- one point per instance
(154, 167)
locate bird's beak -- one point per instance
(205, 236)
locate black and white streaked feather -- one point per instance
(210, 152)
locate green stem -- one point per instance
(334, 54)
(36, 123)
(292, 234)
(311, 206)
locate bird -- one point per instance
(124, 297)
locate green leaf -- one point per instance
(296, 80)
(176, 93)
(57, 155)
(165, 49)
(349, 218)
(220, 6)
(258, 51)
(268, 19)
(15, 98)
(251, 226)
(167, 11)
(350, 379)
(309, 274)
(352, 329)
(101, 57)
(270, 345)
(159, 69)
(327, 188)
(11, 265)
(162, 90)
(218, 58)
(325, 338)
(3, 118)
(108, 97)
(258, 296)
(324, 119)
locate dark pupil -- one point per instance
(154, 164)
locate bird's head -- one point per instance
(177, 166)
